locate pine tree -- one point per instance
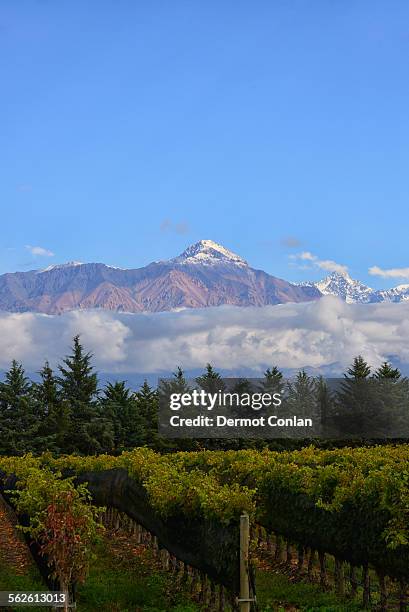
(147, 402)
(211, 381)
(18, 422)
(46, 392)
(120, 407)
(273, 380)
(359, 369)
(301, 397)
(356, 402)
(78, 382)
(392, 400)
(16, 385)
(325, 399)
(386, 371)
(60, 429)
(150, 409)
(176, 384)
(90, 432)
(49, 410)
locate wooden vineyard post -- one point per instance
(244, 599)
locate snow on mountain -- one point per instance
(208, 253)
(68, 264)
(205, 274)
(345, 287)
(397, 294)
(354, 292)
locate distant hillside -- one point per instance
(206, 274)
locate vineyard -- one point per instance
(343, 512)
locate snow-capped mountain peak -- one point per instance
(68, 264)
(396, 294)
(354, 292)
(343, 286)
(207, 252)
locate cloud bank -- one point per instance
(316, 334)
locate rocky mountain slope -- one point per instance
(206, 274)
(354, 292)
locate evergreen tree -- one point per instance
(177, 384)
(147, 401)
(301, 398)
(18, 422)
(359, 370)
(325, 399)
(211, 381)
(46, 392)
(273, 380)
(386, 371)
(48, 410)
(90, 432)
(59, 429)
(78, 382)
(120, 407)
(15, 386)
(357, 414)
(392, 400)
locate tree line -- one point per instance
(66, 411)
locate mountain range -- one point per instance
(205, 274)
(354, 292)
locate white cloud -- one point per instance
(391, 273)
(316, 334)
(39, 251)
(324, 264)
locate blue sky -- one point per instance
(132, 129)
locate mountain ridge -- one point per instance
(355, 292)
(204, 274)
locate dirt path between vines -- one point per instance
(13, 550)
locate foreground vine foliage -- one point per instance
(57, 515)
(350, 502)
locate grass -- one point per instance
(116, 583)
(30, 580)
(121, 581)
(124, 581)
(124, 577)
(129, 583)
(11, 581)
(276, 593)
